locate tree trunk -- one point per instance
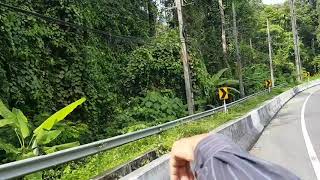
(313, 53)
(239, 64)
(184, 56)
(295, 39)
(270, 53)
(223, 36)
(152, 18)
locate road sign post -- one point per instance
(225, 106)
(224, 95)
(268, 85)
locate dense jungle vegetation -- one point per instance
(124, 57)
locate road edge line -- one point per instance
(311, 152)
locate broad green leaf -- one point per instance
(8, 148)
(234, 89)
(60, 147)
(219, 74)
(5, 122)
(5, 112)
(58, 116)
(22, 122)
(45, 137)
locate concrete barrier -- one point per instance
(244, 131)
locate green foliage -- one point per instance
(16, 119)
(155, 65)
(58, 116)
(71, 132)
(255, 77)
(132, 128)
(316, 61)
(210, 83)
(157, 107)
(154, 108)
(42, 136)
(133, 82)
(45, 66)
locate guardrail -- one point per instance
(34, 164)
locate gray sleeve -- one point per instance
(217, 157)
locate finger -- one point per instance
(190, 173)
(176, 164)
(184, 177)
(174, 177)
(179, 169)
(185, 173)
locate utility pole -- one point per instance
(223, 35)
(295, 39)
(270, 53)
(239, 64)
(184, 56)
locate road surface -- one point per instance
(292, 139)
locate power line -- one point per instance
(64, 23)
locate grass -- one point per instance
(99, 163)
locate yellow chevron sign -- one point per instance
(223, 93)
(306, 74)
(268, 83)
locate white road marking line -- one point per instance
(312, 154)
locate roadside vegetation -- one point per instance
(124, 58)
(106, 161)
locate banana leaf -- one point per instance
(5, 112)
(5, 122)
(45, 137)
(15, 118)
(234, 89)
(22, 122)
(58, 116)
(219, 74)
(8, 148)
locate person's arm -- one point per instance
(217, 157)
(182, 154)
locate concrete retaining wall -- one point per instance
(244, 131)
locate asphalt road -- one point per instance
(292, 139)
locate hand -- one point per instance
(182, 154)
